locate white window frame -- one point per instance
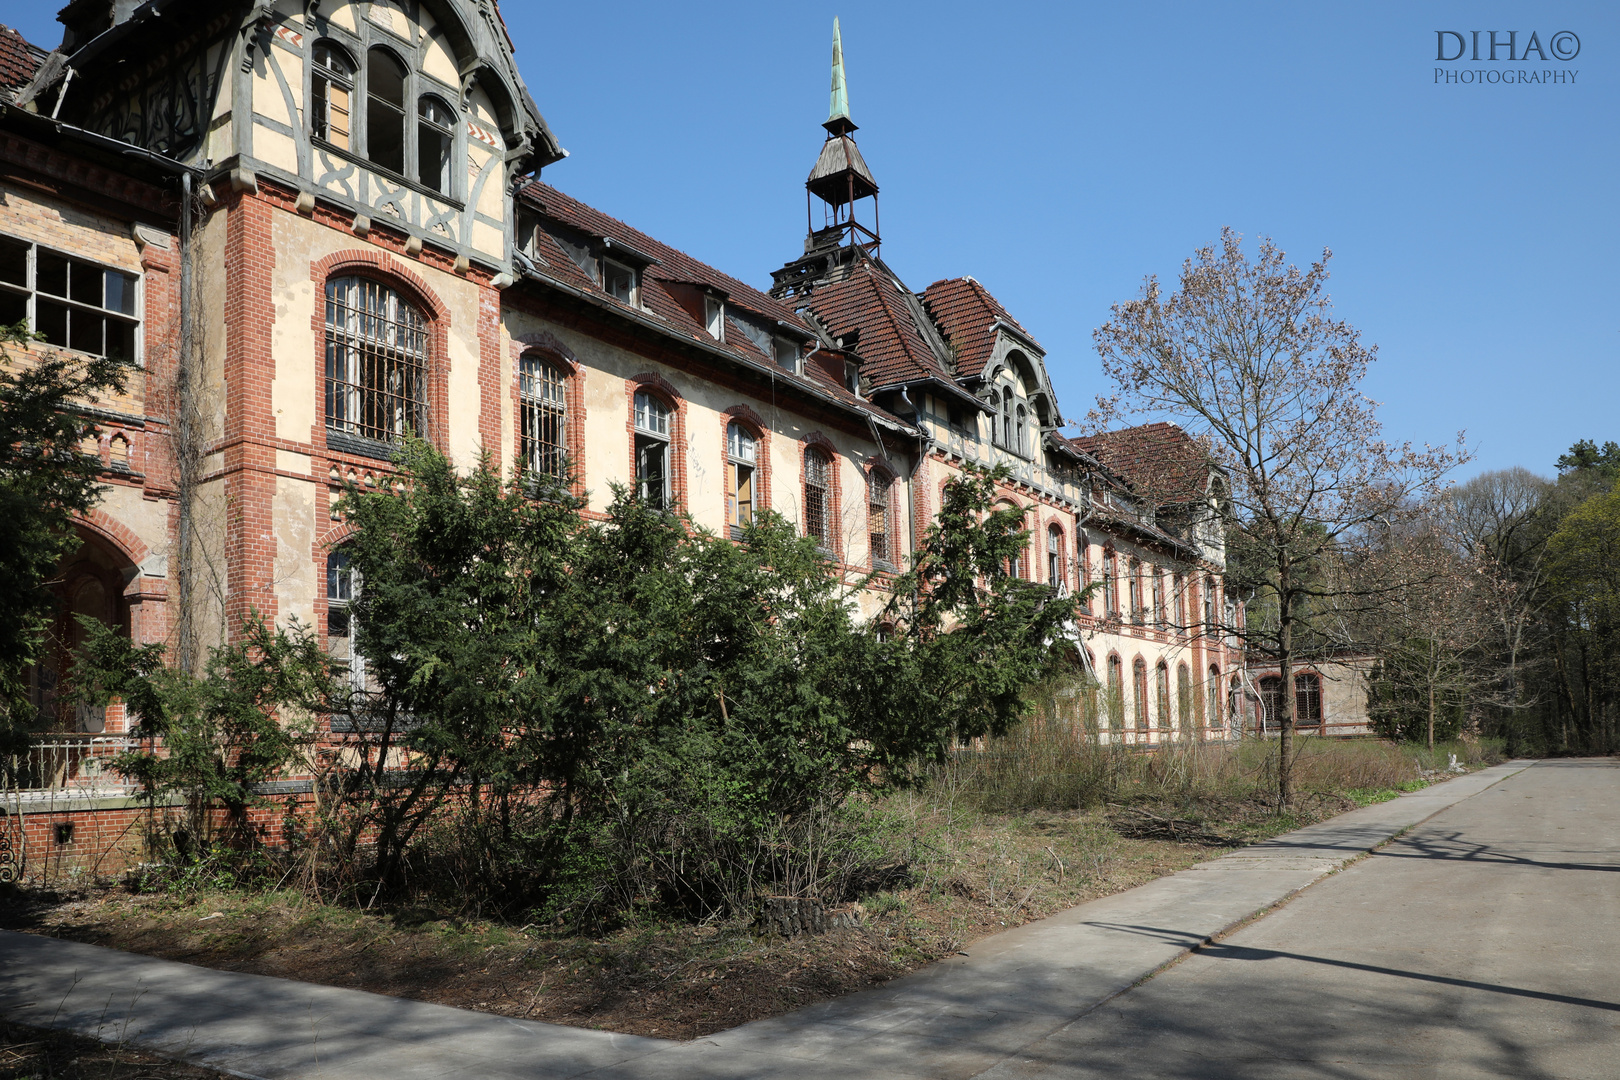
(653, 432)
(633, 295)
(714, 317)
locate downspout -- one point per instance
(925, 443)
(184, 438)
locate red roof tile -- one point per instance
(965, 311)
(1162, 462)
(18, 60)
(891, 346)
(676, 267)
(673, 265)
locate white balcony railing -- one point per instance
(68, 764)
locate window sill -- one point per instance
(360, 446)
(388, 174)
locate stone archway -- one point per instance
(89, 581)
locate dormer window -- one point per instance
(852, 377)
(714, 317)
(619, 282)
(787, 355)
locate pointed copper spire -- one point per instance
(838, 121)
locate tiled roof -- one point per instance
(965, 311)
(673, 268)
(18, 61)
(673, 265)
(892, 347)
(1162, 462)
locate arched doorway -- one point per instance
(90, 582)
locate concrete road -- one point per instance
(1483, 943)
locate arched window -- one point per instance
(742, 459)
(331, 95)
(1184, 699)
(1139, 683)
(1020, 446)
(543, 416)
(818, 497)
(1161, 679)
(1211, 626)
(1116, 693)
(652, 449)
(1234, 701)
(385, 110)
(1006, 420)
(1017, 565)
(878, 526)
(1270, 710)
(1054, 557)
(342, 589)
(1110, 583)
(435, 138)
(1308, 702)
(1212, 706)
(376, 361)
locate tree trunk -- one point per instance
(1431, 714)
(1285, 693)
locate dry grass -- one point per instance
(1024, 828)
(27, 1053)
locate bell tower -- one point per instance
(840, 179)
(840, 183)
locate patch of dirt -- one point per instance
(27, 1053)
(974, 875)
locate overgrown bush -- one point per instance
(587, 717)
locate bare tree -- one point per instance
(1248, 359)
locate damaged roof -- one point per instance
(18, 61)
(871, 304)
(966, 314)
(1159, 460)
(671, 269)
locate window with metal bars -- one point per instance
(376, 361)
(1307, 701)
(878, 485)
(543, 416)
(1161, 680)
(818, 497)
(1139, 684)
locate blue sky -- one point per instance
(1060, 152)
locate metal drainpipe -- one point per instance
(184, 435)
(925, 442)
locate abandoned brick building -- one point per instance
(315, 224)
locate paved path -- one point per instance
(1012, 1004)
(1483, 943)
